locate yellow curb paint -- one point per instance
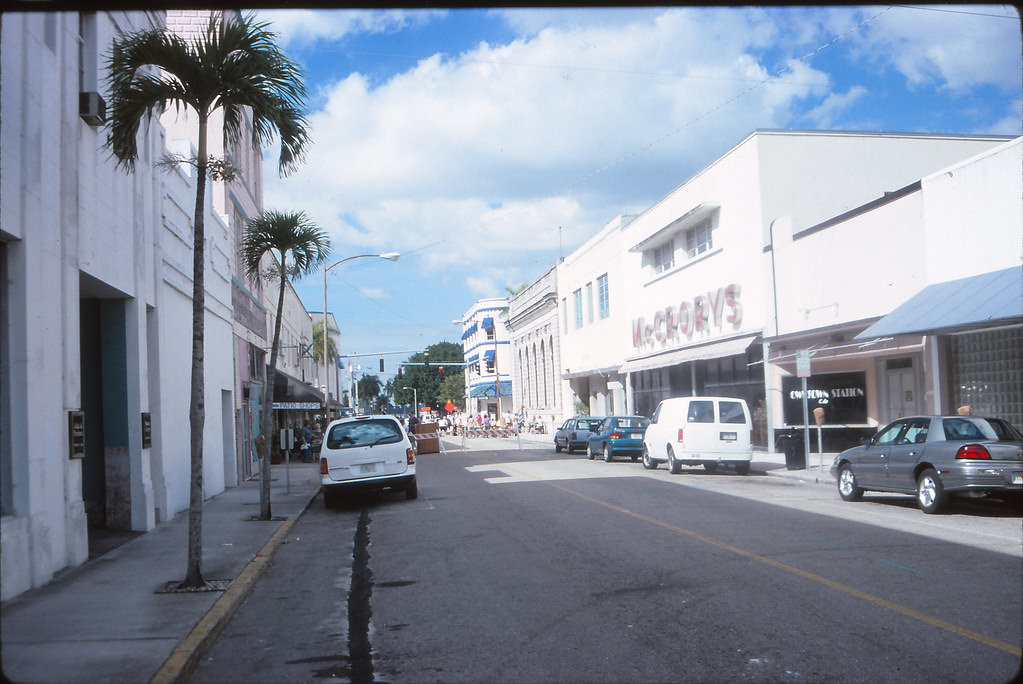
(876, 600)
(182, 660)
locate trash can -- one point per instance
(795, 451)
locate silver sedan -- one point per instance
(935, 457)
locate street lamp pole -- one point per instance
(390, 256)
(415, 400)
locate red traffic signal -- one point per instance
(440, 370)
(399, 371)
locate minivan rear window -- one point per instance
(701, 412)
(731, 412)
(363, 433)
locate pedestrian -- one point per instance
(305, 444)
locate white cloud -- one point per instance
(955, 47)
(518, 152)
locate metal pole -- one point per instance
(806, 427)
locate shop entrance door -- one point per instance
(902, 396)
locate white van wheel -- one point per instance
(742, 468)
(674, 467)
(648, 463)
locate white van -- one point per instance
(707, 431)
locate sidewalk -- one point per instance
(105, 621)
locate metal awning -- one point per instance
(489, 389)
(981, 301)
(683, 222)
(488, 355)
(488, 323)
(713, 350)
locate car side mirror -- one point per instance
(866, 441)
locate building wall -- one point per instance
(69, 218)
(532, 324)
(476, 343)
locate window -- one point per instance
(664, 257)
(577, 301)
(603, 298)
(589, 302)
(698, 240)
(701, 412)
(564, 315)
(731, 412)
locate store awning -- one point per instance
(981, 301)
(469, 331)
(488, 323)
(489, 389)
(290, 392)
(488, 355)
(713, 350)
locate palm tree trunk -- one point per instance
(271, 376)
(197, 404)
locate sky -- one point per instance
(485, 144)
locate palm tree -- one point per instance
(234, 67)
(318, 344)
(280, 234)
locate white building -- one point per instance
(685, 294)
(488, 359)
(95, 311)
(96, 264)
(532, 324)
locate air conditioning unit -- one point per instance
(92, 108)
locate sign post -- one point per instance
(287, 444)
(803, 372)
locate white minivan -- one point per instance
(366, 452)
(707, 431)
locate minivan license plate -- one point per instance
(728, 436)
(367, 468)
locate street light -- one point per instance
(415, 399)
(390, 256)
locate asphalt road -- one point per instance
(531, 567)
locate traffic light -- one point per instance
(399, 371)
(381, 364)
(440, 370)
(426, 358)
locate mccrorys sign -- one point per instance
(717, 309)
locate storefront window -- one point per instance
(987, 373)
(843, 396)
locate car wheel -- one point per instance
(589, 452)
(608, 455)
(412, 491)
(742, 468)
(930, 493)
(634, 458)
(710, 467)
(648, 463)
(674, 467)
(847, 487)
(569, 449)
(557, 448)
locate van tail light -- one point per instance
(616, 435)
(410, 457)
(972, 451)
(679, 434)
(323, 466)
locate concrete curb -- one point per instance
(183, 659)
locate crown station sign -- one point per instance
(717, 310)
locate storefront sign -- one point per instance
(717, 309)
(297, 405)
(843, 396)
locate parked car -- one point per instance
(366, 453)
(574, 433)
(707, 431)
(935, 457)
(618, 435)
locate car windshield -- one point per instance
(363, 433)
(979, 428)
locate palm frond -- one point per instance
(290, 235)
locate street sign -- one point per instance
(803, 363)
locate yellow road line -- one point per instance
(876, 600)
